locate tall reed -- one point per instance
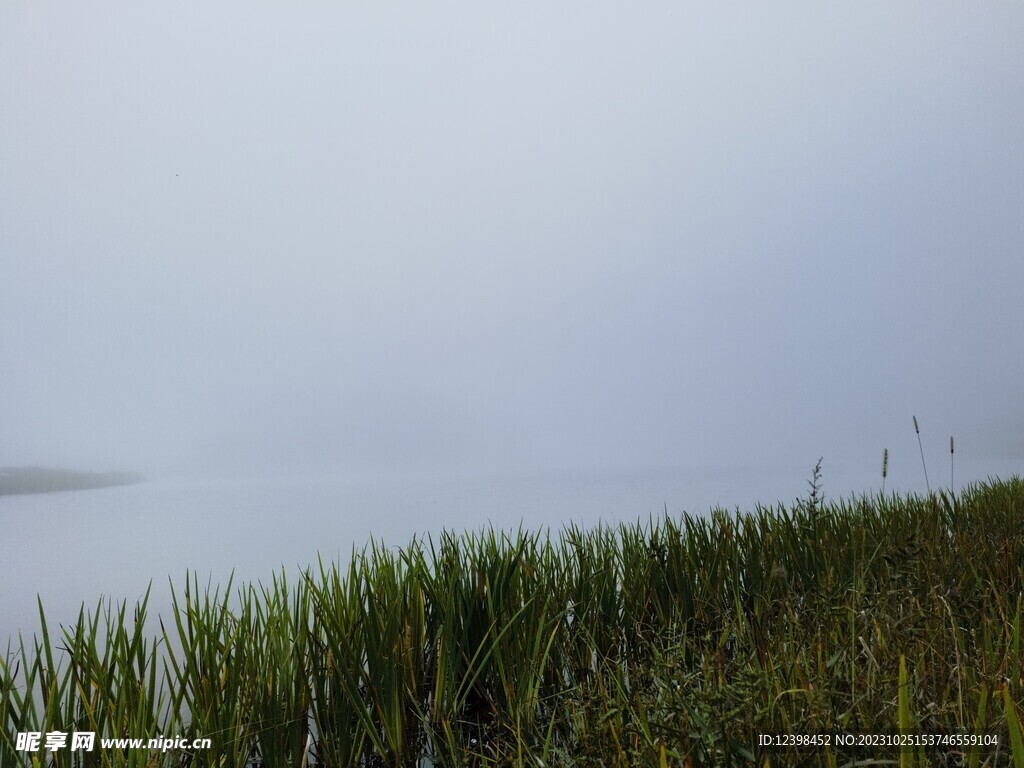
(952, 487)
(670, 641)
(921, 448)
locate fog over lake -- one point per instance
(311, 268)
(72, 548)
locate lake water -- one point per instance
(71, 548)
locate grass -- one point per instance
(675, 642)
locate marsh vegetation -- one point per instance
(672, 642)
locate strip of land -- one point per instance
(15, 480)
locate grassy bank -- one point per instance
(670, 643)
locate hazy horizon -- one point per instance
(251, 238)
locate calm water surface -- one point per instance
(74, 547)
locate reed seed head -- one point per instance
(885, 462)
(915, 426)
(951, 444)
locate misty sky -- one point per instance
(244, 236)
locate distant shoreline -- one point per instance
(23, 480)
